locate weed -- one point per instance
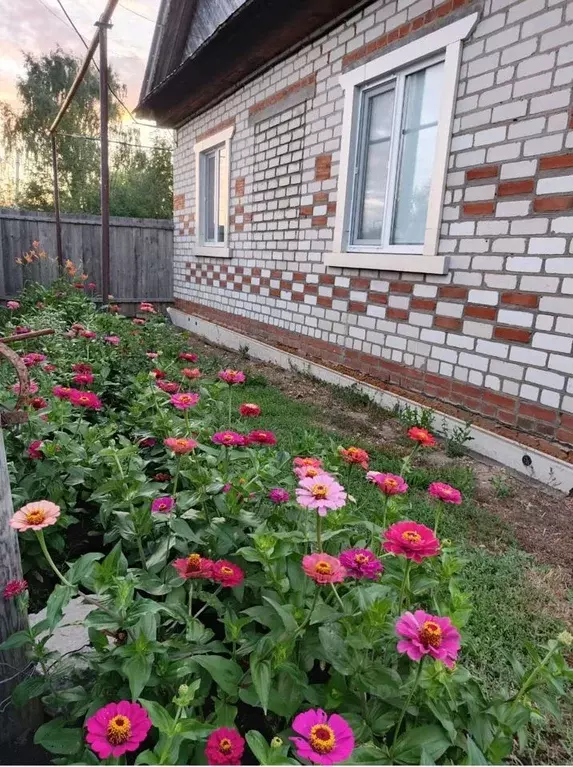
(414, 416)
(502, 486)
(456, 439)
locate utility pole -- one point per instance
(57, 204)
(104, 125)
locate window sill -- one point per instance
(213, 250)
(389, 262)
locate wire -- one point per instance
(141, 16)
(47, 7)
(111, 141)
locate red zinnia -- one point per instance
(158, 374)
(260, 437)
(226, 573)
(82, 367)
(38, 403)
(169, 387)
(422, 436)
(355, 455)
(188, 357)
(14, 589)
(249, 410)
(35, 450)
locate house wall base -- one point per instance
(545, 460)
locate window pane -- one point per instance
(223, 190)
(374, 166)
(418, 141)
(210, 168)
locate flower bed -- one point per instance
(246, 603)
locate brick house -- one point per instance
(385, 186)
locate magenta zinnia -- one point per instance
(260, 437)
(85, 399)
(278, 495)
(325, 739)
(389, 484)
(224, 746)
(226, 573)
(323, 568)
(185, 400)
(229, 439)
(361, 563)
(163, 505)
(445, 493)
(425, 634)
(232, 376)
(14, 588)
(117, 728)
(322, 493)
(411, 540)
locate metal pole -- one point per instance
(57, 205)
(104, 119)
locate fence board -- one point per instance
(141, 252)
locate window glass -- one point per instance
(209, 187)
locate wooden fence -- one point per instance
(141, 253)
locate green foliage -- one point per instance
(455, 440)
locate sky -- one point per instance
(39, 26)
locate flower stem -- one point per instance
(405, 582)
(439, 509)
(230, 404)
(206, 605)
(318, 533)
(337, 595)
(190, 597)
(42, 542)
(141, 553)
(306, 621)
(525, 686)
(408, 701)
(176, 478)
(186, 422)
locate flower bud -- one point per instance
(276, 742)
(565, 638)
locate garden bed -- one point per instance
(258, 640)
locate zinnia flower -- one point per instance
(298, 462)
(422, 436)
(445, 493)
(48, 368)
(83, 379)
(163, 505)
(145, 306)
(82, 367)
(169, 387)
(14, 589)
(62, 392)
(229, 439)
(323, 568)
(184, 401)
(322, 493)
(180, 445)
(325, 739)
(249, 410)
(308, 471)
(158, 374)
(32, 359)
(85, 399)
(194, 566)
(389, 484)
(162, 476)
(425, 634)
(13, 305)
(355, 455)
(191, 373)
(152, 355)
(259, 437)
(117, 728)
(33, 387)
(38, 403)
(113, 340)
(146, 442)
(412, 540)
(361, 563)
(89, 334)
(188, 356)
(278, 495)
(35, 450)
(232, 376)
(224, 746)
(138, 321)
(226, 573)
(35, 516)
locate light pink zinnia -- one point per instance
(425, 634)
(411, 540)
(14, 588)
(445, 493)
(389, 484)
(117, 728)
(361, 563)
(323, 568)
(325, 739)
(191, 373)
(152, 355)
(13, 305)
(33, 387)
(180, 445)
(85, 399)
(224, 746)
(35, 516)
(322, 493)
(185, 400)
(113, 340)
(232, 376)
(194, 566)
(229, 439)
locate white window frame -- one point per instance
(445, 45)
(202, 148)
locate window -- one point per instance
(212, 162)
(398, 113)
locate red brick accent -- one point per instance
(320, 198)
(240, 186)
(520, 299)
(452, 291)
(305, 211)
(556, 161)
(423, 304)
(359, 283)
(178, 202)
(512, 334)
(352, 58)
(484, 171)
(553, 204)
(397, 314)
(239, 210)
(532, 425)
(319, 220)
(514, 188)
(478, 208)
(331, 209)
(378, 298)
(322, 167)
(215, 129)
(401, 287)
(284, 93)
(356, 306)
(447, 323)
(480, 312)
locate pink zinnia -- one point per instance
(226, 573)
(323, 568)
(21, 329)
(278, 495)
(62, 392)
(85, 399)
(389, 484)
(35, 450)
(422, 436)
(35, 516)
(259, 437)
(232, 376)
(169, 387)
(82, 367)
(14, 589)
(229, 439)
(325, 739)
(224, 746)
(83, 379)
(138, 321)
(445, 493)
(188, 356)
(89, 334)
(411, 540)
(163, 505)
(33, 387)
(180, 445)
(308, 471)
(117, 728)
(113, 340)
(158, 374)
(13, 305)
(152, 355)
(184, 401)
(425, 634)
(361, 563)
(299, 462)
(48, 368)
(194, 566)
(145, 306)
(191, 373)
(38, 403)
(32, 359)
(322, 493)
(249, 410)
(355, 455)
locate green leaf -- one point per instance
(226, 673)
(258, 746)
(137, 669)
(430, 737)
(191, 729)
(56, 738)
(370, 754)
(225, 714)
(335, 649)
(98, 639)
(29, 688)
(287, 619)
(261, 675)
(83, 567)
(146, 757)
(160, 718)
(475, 756)
(19, 639)
(59, 598)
